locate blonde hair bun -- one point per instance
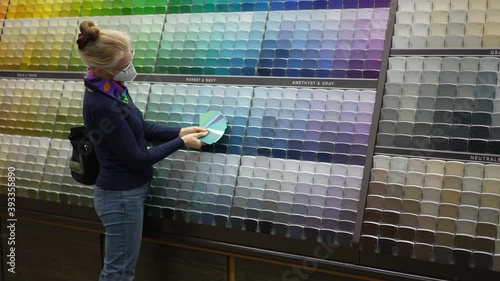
(89, 29)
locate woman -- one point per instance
(119, 135)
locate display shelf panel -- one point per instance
(434, 210)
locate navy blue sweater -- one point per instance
(120, 135)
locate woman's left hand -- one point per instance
(191, 130)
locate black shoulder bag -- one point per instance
(83, 162)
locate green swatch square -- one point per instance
(160, 10)
(209, 70)
(186, 62)
(198, 62)
(149, 10)
(116, 11)
(197, 70)
(209, 8)
(161, 69)
(184, 9)
(197, 9)
(172, 70)
(184, 70)
(147, 69)
(85, 12)
(173, 10)
(174, 62)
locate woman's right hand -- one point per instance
(192, 140)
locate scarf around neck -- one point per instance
(115, 89)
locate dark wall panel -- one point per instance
(50, 253)
(249, 270)
(159, 263)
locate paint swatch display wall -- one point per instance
(326, 39)
(285, 183)
(290, 163)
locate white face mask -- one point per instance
(128, 74)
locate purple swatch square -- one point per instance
(373, 64)
(349, 205)
(359, 44)
(328, 136)
(364, 117)
(357, 160)
(339, 73)
(333, 202)
(370, 74)
(303, 188)
(374, 54)
(326, 54)
(311, 145)
(365, 107)
(366, 3)
(382, 13)
(343, 44)
(346, 34)
(332, 115)
(334, 4)
(297, 219)
(355, 74)
(349, 106)
(340, 63)
(329, 224)
(326, 146)
(316, 114)
(332, 213)
(341, 158)
(358, 54)
(312, 135)
(363, 128)
(329, 43)
(313, 125)
(330, 34)
(356, 64)
(348, 116)
(359, 149)
(376, 44)
(336, 188)
(362, 23)
(344, 148)
(347, 24)
(300, 198)
(330, 126)
(350, 4)
(344, 137)
(378, 34)
(360, 138)
(362, 33)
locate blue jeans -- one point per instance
(122, 214)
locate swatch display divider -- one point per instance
(334, 138)
(376, 118)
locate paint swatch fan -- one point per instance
(216, 123)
